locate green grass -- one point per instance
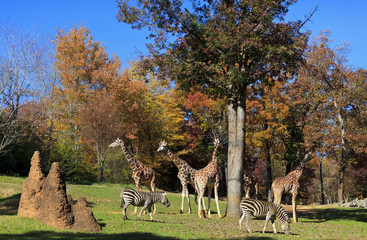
(315, 222)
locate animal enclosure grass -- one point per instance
(104, 199)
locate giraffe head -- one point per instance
(162, 145)
(216, 142)
(116, 143)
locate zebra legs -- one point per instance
(247, 216)
(149, 210)
(124, 210)
(270, 216)
(152, 189)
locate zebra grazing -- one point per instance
(144, 199)
(268, 210)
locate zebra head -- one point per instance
(164, 200)
(162, 145)
(116, 143)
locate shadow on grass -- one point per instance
(9, 205)
(89, 236)
(323, 215)
(57, 235)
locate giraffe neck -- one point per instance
(297, 173)
(173, 157)
(214, 156)
(130, 159)
(176, 160)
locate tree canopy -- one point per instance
(220, 47)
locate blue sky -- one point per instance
(347, 20)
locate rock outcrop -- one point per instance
(45, 199)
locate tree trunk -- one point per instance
(343, 160)
(321, 183)
(236, 147)
(341, 184)
(101, 172)
(269, 176)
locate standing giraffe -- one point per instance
(289, 184)
(249, 180)
(208, 177)
(142, 174)
(185, 173)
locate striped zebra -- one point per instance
(144, 199)
(268, 210)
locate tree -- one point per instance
(96, 101)
(267, 113)
(26, 60)
(329, 89)
(220, 47)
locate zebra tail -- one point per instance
(122, 200)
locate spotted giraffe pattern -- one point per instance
(250, 181)
(208, 177)
(141, 174)
(186, 173)
(289, 184)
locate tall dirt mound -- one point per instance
(45, 199)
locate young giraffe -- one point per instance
(249, 180)
(208, 177)
(142, 174)
(185, 173)
(289, 184)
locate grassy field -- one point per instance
(314, 222)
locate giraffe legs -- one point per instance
(247, 192)
(183, 200)
(188, 200)
(277, 197)
(201, 201)
(256, 190)
(209, 199)
(216, 187)
(294, 195)
(185, 193)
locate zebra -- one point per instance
(144, 199)
(268, 210)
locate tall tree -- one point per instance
(220, 47)
(327, 83)
(95, 98)
(26, 60)
(267, 111)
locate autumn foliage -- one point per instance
(90, 99)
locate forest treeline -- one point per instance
(69, 98)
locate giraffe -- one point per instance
(208, 177)
(185, 173)
(289, 184)
(249, 180)
(142, 174)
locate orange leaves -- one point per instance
(96, 101)
(82, 63)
